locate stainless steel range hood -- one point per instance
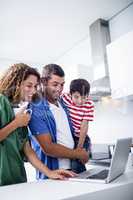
(100, 88)
(100, 37)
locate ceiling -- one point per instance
(43, 31)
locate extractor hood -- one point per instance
(100, 88)
(99, 38)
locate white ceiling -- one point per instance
(42, 31)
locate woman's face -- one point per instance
(28, 88)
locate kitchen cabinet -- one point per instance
(120, 63)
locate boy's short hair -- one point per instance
(80, 85)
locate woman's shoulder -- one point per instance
(2, 96)
(6, 110)
(3, 99)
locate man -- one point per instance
(51, 129)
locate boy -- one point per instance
(81, 110)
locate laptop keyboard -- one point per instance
(100, 175)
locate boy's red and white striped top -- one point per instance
(79, 113)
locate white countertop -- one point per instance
(55, 190)
(120, 189)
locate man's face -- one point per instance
(54, 87)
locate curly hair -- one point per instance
(11, 81)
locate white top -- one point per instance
(21, 107)
(64, 135)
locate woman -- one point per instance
(17, 85)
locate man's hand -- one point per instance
(82, 155)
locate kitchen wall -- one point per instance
(77, 62)
(113, 118)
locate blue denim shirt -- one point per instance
(43, 122)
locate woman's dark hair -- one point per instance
(11, 81)
(80, 85)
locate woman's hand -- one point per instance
(61, 174)
(22, 119)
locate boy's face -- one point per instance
(78, 99)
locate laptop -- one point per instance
(117, 166)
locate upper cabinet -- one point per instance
(120, 63)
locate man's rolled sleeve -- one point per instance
(38, 125)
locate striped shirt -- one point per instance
(79, 113)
